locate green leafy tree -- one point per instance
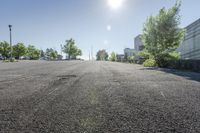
(51, 54)
(71, 49)
(33, 53)
(19, 50)
(161, 33)
(78, 52)
(54, 54)
(113, 57)
(5, 49)
(102, 55)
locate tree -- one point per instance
(102, 55)
(113, 57)
(161, 33)
(19, 50)
(131, 59)
(78, 52)
(33, 53)
(145, 55)
(51, 54)
(5, 49)
(54, 54)
(71, 49)
(42, 54)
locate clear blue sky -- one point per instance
(48, 23)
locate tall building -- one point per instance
(190, 47)
(139, 46)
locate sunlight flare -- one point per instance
(115, 4)
(108, 28)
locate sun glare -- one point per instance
(115, 4)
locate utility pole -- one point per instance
(61, 48)
(11, 50)
(89, 55)
(92, 52)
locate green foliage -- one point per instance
(174, 56)
(51, 54)
(150, 63)
(145, 55)
(5, 49)
(102, 55)
(161, 34)
(10, 60)
(113, 57)
(163, 59)
(131, 59)
(71, 49)
(6, 61)
(78, 52)
(54, 54)
(19, 50)
(33, 53)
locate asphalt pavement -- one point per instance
(97, 97)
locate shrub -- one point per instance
(150, 63)
(174, 56)
(10, 60)
(6, 61)
(113, 57)
(131, 59)
(145, 55)
(163, 59)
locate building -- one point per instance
(129, 52)
(190, 47)
(120, 57)
(139, 46)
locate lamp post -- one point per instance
(11, 50)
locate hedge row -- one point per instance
(193, 65)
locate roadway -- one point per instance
(90, 96)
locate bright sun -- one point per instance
(115, 4)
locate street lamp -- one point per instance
(11, 50)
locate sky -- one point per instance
(93, 24)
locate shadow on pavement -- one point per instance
(186, 74)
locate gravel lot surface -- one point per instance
(103, 97)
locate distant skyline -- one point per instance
(97, 24)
